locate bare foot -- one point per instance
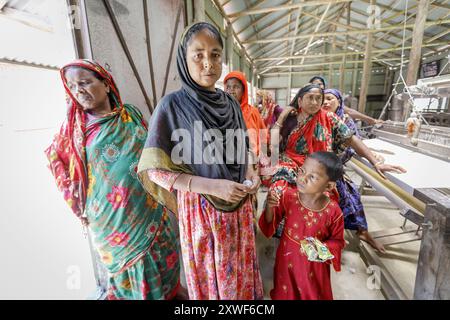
(182, 294)
(365, 236)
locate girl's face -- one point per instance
(331, 103)
(313, 178)
(90, 92)
(311, 101)
(204, 60)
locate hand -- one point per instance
(376, 122)
(84, 221)
(230, 191)
(256, 184)
(273, 199)
(379, 157)
(384, 167)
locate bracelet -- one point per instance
(276, 123)
(189, 183)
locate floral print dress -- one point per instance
(218, 248)
(130, 230)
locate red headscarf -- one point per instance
(252, 117)
(67, 153)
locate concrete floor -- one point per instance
(356, 281)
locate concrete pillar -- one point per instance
(199, 10)
(189, 5)
(229, 43)
(242, 60)
(416, 50)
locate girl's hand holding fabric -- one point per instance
(230, 191)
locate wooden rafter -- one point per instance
(358, 31)
(222, 12)
(285, 7)
(257, 20)
(309, 24)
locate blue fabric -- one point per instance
(349, 196)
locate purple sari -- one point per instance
(349, 196)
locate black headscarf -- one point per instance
(318, 78)
(180, 110)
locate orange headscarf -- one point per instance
(251, 114)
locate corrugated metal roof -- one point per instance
(276, 23)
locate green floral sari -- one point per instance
(130, 231)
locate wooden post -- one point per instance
(416, 50)
(331, 68)
(289, 88)
(433, 268)
(354, 78)
(386, 80)
(367, 69)
(344, 58)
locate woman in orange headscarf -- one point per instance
(236, 85)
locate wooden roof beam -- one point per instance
(305, 30)
(285, 7)
(359, 31)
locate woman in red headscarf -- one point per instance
(94, 161)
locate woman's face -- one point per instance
(234, 87)
(331, 103)
(311, 101)
(90, 92)
(204, 60)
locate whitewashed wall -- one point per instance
(43, 252)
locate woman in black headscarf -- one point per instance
(197, 146)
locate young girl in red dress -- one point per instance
(309, 213)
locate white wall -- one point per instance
(43, 252)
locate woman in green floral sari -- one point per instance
(94, 159)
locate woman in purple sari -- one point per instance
(349, 196)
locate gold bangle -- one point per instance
(189, 183)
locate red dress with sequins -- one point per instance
(296, 278)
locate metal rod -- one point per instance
(172, 46)
(394, 193)
(149, 50)
(127, 53)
